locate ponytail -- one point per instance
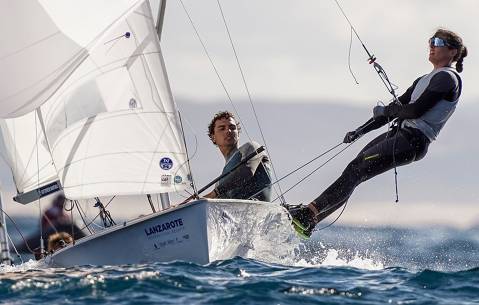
(455, 42)
(462, 54)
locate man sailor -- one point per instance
(422, 112)
(251, 180)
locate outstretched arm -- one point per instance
(375, 123)
(439, 88)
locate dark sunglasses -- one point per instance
(439, 42)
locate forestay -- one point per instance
(109, 116)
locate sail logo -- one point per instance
(166, 163)
(163, 227)
(165, 179)
(178, 179)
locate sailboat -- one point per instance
(87, 108)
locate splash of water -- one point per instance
(28, 265)
(252, 230)
(264, 232)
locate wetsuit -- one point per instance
(251, 180)
(425, 107)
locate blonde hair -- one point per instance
(59, 240)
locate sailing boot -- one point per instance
(304, 218)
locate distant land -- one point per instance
(440, 189)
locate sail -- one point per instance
(42, 42)
(20, 151)
(112, 126)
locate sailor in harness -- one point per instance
(423, 111)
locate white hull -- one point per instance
(200, 231)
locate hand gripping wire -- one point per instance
(385, 80)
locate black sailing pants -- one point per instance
(399, 146)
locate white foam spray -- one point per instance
(263, 232)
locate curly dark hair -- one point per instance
(218, 116)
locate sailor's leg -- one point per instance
(376, 158)
(305, 218)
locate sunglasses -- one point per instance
(439, 42)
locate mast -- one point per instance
(161, 17)
(164, 197)
(4, 248)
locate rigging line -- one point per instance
(352, 27)
(15, 248)
(213, 65)
(249, 97)
(79, 208)
(349, 57)
(372, 59)
(50, 223)
(38, 185)
(193, 155)
(300, 167)
(86, 225)
(310, 161)
(193, 185)
(18, 230)
(334, 221)
(389, 127)
(316, 169)
(320, 155)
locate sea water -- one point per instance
(339, 265)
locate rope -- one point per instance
(80, 211)
(18, 230)
(349, 57)
(86, 225)
(334, 221)
(394, 154)
(297, 169)
(250, 98)
(371, 58)
(15, 248)
(38, 185)
(318, 168)
(213, 65)
(193, 185)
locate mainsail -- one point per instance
(109, 118)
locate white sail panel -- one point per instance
(42, 43)
(113, 126)
(120, 153)
(20, 152)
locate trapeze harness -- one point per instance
(422, 114)
(240, 185)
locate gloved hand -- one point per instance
(352, 136)
(379, 111)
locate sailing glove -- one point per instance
(352, 136)
(379, 111)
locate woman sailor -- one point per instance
(421, 113)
